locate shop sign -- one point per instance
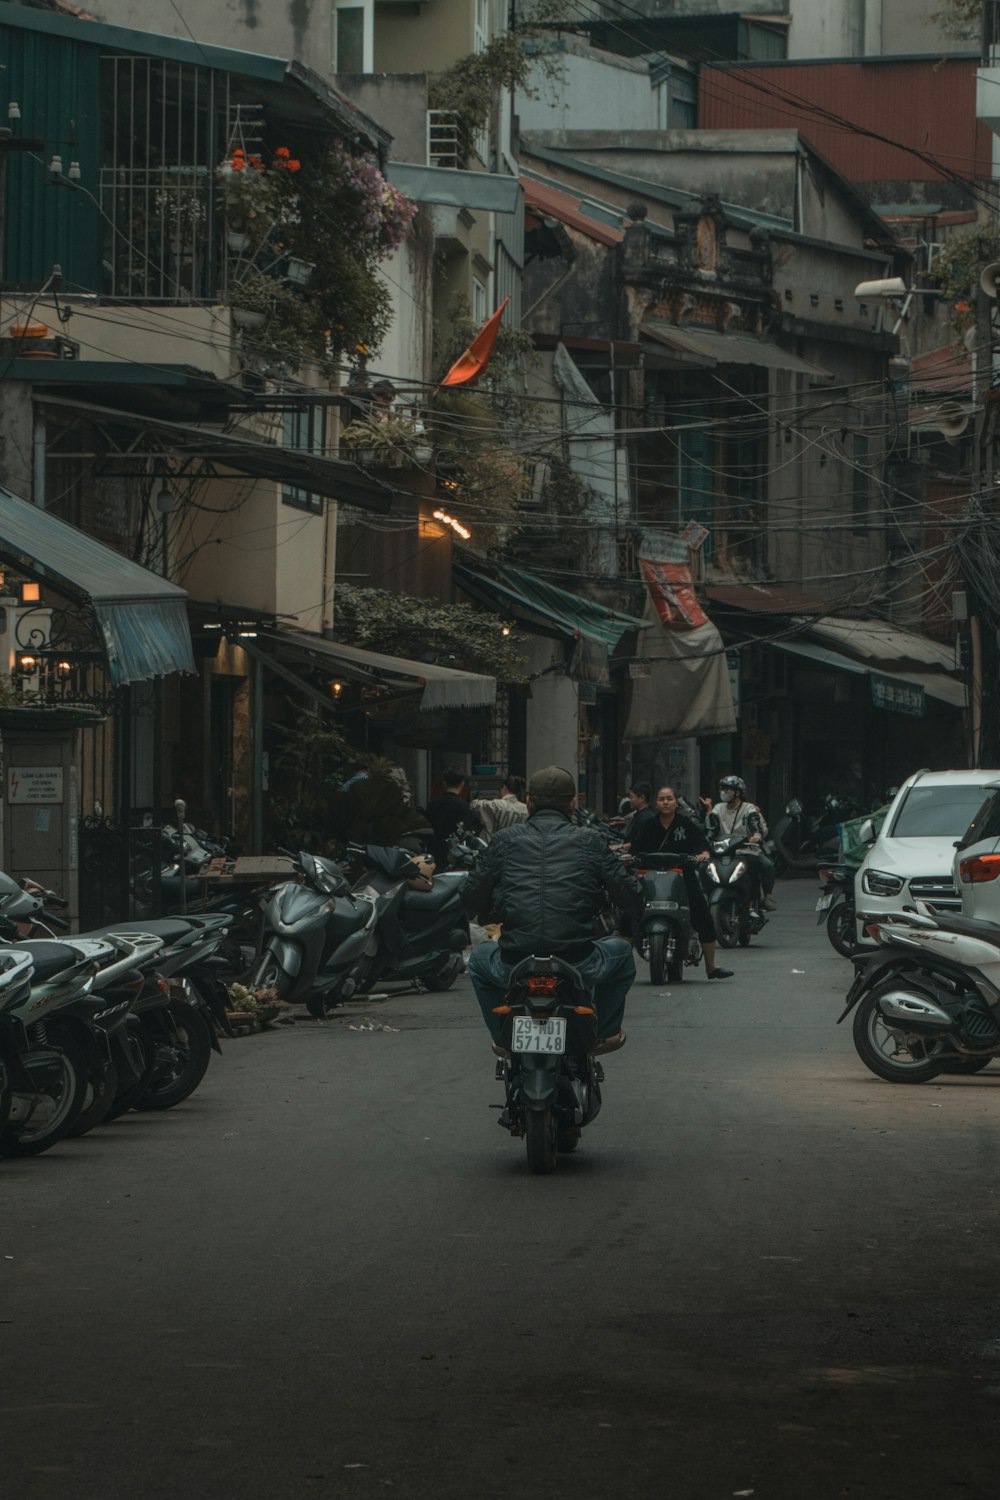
(899, 697)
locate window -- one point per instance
(304, 429)
(479, 314)
(353, 37)
(941, 812)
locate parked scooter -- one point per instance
(552, 1080)
(422, 933)
(928, 1000)
(796, 841)
(726, 879)
(836, 908)
(667, 939)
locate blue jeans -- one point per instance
(608, 971)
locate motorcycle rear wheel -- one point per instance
(65, 1098)
(913, 1060)
(541, 1140)
(841, 929)
(183, 1057)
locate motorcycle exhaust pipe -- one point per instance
(909, 1009)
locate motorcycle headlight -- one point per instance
(879, 883)
(740, 869)
(713, 873)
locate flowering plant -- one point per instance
(259, 198)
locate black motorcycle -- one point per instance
(726, 878)
(551, 1078)
(667, 940)
(836, 908)
(421, 925)
(797, 840)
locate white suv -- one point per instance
(912, 858)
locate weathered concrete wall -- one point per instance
(398, 101)
(422, 38)
(594, 88)
(278, 28)
(553, 711)
(16, 417)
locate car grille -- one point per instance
(937, 890)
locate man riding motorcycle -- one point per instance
(732, 814)
(547, 881)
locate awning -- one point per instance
(142, 617)
(442, 687)
(891, 689)
(764, 599)
(880, 641)
(546, 604)
(701, 347)
(486, 191)
(331, 477)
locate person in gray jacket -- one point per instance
(547, 881)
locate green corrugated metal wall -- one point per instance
(57, 85)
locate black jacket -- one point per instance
(446, 813)
(684, 836)
(547, 882)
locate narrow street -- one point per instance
(330, 1274)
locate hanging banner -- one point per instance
(672, 591)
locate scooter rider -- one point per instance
(671, 832)
(547, 881)
(733, 814)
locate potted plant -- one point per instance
(394, 443)
(253, 299)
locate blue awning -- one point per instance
(142, 617)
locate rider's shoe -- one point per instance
(720, 974)
(608, 1044)
(770, 904)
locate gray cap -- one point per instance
(552, 782)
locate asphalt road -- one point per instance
(330, 1274)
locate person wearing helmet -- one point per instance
(733, 814)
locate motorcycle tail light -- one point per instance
(542, 984)
(979, 868)
(824, 875)
(501, 1010)
(584, 1010)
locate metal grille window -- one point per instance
(304, 429)
(164, 135)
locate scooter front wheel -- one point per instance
(842, 929)
(727, 922)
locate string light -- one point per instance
(463, 532)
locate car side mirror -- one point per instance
(866, 833)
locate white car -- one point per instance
(977, 861)
(911, 859)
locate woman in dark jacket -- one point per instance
(670, 832)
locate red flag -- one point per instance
(475, 359)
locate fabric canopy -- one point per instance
(142, 618)
(512, 590)
(443, 687)
(687, 691)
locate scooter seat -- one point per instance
(987, 932)
(50, 958)
(433, 900)
(170, 929)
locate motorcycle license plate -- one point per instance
(539, 1036)
(823, 904)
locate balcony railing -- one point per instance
(159, 244)
(446, 142)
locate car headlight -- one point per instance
(879, 883)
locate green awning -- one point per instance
(513, 591)
(141, 617)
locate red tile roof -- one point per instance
(550, 203)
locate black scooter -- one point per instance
(726, 878)
(421, 933)
(552, 1080)
(667, 938)
(836, 908)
